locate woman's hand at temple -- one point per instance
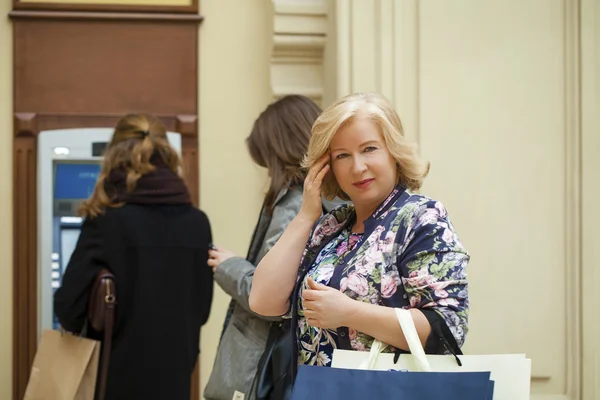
(312, 205)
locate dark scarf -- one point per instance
(161, 186)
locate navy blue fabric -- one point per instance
(347, 384)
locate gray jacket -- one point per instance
(245, 336)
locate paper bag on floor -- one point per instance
(65, 367)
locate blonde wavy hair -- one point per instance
(137, 137)
(411, 170)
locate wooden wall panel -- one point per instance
(77, 70)
(190, 165)
(25, 260)
(105, 66)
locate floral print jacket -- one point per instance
(409, 256)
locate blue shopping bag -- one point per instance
(314, 383)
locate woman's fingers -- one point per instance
(212, 262)
(324, 159)
(320, 164)
(319, 179)
(311, 200)
(316, 168)
(310, 295)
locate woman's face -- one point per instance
(362, 164)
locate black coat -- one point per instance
(158, 254)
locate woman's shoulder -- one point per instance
(293, 193)
(288, 200)
(421, 199)
(418, 206)
(340, 212)
(330, 223)
(336, 217)
(162, 212)
(199, 215)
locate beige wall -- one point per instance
(235, 45)
(489, 90)
(492, 122)
(6, 237)
(590, 126)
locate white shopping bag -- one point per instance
(511, 373)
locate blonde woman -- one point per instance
(341, 278)
(141, 225)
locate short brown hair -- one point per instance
(279, 140)
(136, 138)
(411, 170)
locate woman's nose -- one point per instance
(358, 165)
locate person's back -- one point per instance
(158, 255)
(156, 244)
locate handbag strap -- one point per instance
(407, 324)
(109, 302)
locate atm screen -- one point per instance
(75, 180)
(68, 240)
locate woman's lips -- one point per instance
(363, 184)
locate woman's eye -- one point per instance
(340, 156)
(370, 149)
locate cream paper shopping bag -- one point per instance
(65, 367)
(511, 373)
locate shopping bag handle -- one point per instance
(407, 324)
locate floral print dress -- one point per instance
(317, 344)
(409, 256)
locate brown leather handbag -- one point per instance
(101, 317)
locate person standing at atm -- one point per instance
(141, 225)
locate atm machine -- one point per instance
(68, 167)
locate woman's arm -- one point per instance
(381, 323)
(328, 308)
(433, 266)
(234, 275)
(275, 275)
(71, 299)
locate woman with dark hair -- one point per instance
(278, 142)
(140, 224)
